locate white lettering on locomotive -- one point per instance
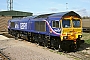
(16, 26)
(23, 25)
(57, 30)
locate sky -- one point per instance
(37, 7)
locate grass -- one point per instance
(87, 41)
(56, 51)
(86, 38)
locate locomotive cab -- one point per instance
(70, 24)
(71, 28)
(71, 31)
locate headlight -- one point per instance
(65, 37)
(79, 36)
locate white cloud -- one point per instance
(88, 12)
(83, 12)
(53, 9)
(57, 7)
(39, 13)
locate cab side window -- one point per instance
(55, 24)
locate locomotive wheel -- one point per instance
(32, 39)
(59, 48)
(45, 43)
(73, 47)
(16, 38)
(16, 35)
(28, 37)
(64, 46)
(68, 46)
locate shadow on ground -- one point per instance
(84, 46)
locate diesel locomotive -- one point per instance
(62, 31)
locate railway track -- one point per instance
(79, 55)
(7, 35)
(3, 57)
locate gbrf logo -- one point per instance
(23, 25)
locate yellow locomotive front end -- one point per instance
(71, 31)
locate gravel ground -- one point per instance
(23, 50)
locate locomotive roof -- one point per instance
(19, 19)
(59, 15)
(43, 15)
(52, 16)
(62, 14)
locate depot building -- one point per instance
(7, 15)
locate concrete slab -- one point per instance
(3, 37)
